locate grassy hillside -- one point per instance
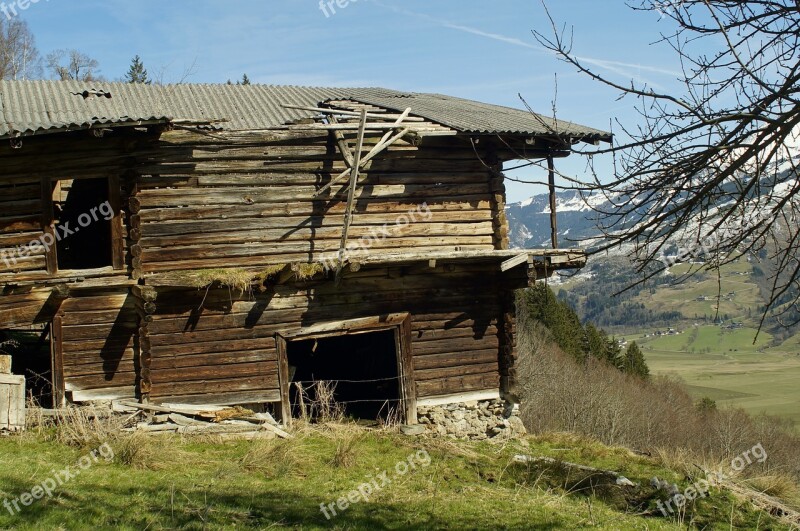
(728, 365)
(166, 482)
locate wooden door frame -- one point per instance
(399, 323)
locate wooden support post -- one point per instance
(48, 228)
(57, 363)
(551, 167)
(283, 381)
(348, 213)
(405, 364)
(117, 225)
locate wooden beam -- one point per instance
(48, 228)
(283, 381)
(117, 224)
(337, 328)
(57, 367)
(551, 168)
(443, 400)
(405, 366)
(348, 214)
(511, 263)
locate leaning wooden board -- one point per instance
(12, 402)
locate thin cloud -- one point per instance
(617, 67)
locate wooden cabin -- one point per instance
(217, 245)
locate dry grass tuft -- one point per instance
(346, 452)
(85, 426)
(776, 485)
(237, 279)
(142, 451)
(323, 408)
(307, 271)
(277, 458)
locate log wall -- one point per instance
(215, 342)
(248, 201)
(97, 337)
(21, 224)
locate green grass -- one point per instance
(166, 482)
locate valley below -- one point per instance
(692, 323)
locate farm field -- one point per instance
(725, 366)
(721, 363)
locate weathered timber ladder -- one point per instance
(354, 161)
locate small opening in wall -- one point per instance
(29, 349)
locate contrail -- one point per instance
(616, 67)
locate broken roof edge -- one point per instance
(96, 124)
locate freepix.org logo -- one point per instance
(13, 9)
(43, 243)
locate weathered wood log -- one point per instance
(5, 364)
(599, 473)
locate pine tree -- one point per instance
(613, 353)
(245, 80)
(634, 362)
(558, 317)
(595, 343)
(137, 73)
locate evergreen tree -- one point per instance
(245, 80)
(137, 72)
(634, 362)
(562, 321)
(595, 342)
(613, 353)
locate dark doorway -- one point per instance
(82, 225)
(30, 357)
(363, 368)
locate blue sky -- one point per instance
(477, 50)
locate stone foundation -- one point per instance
(473, 420)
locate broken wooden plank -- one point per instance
(342, 112)
(511, 263)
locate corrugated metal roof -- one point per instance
(476, 117)
(32, 107)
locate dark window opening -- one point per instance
(29, 349)
(81, 212)
(363, 368)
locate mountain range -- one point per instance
(529, 220)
